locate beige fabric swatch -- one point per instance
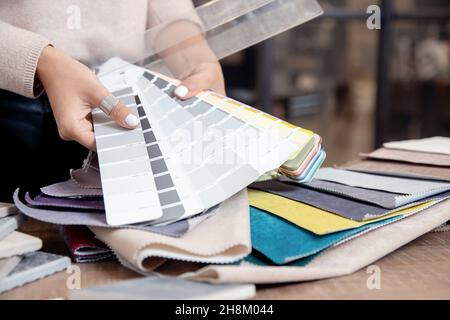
(223, 238)
(439, 145)
(18, 243)
(399, 169)
(434, 159)
(7, 265)
(7, 209)
(337, 261)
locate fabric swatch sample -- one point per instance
(284, 242)
(223, 238)
(381, 198)
(7, 226)
(70, 188)
(316, 220)
(345, 207)
(409, 157)
(83, 245)
(34, 266)
(440, 145)
(7, 209)
(384, 183)
(96, 218)
(337, 261)
(87, 177)
(41, 200)
(18, 243)
(400, 169)
(156, 288)
(7, 265)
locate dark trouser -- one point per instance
(31, 153)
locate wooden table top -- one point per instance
(419, 270)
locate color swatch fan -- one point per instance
(187, 156)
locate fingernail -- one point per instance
(181, 91)
(131, 120)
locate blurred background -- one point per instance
(356, 87)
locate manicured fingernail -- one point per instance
(131, 120)
(181, 91)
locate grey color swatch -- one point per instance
(128, 100)
(121, 154)
(32, 267)
(160, 83)
(187, 102)
(233, 123)
(145, 124)
(168, 197)
(380, 182)
(128, 137)
(213, 117)
(154, 151)
(164, 182)
(158, 166)
(157, 288)
(94, 218)
(200, 108)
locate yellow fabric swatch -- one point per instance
(311, 218)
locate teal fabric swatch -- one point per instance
(283, 242)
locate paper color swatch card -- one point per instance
(186, 156)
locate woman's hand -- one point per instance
(73, 91)
(206, 75)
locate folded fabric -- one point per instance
(434, 159)
(341, 260)
(316, 220)
(42, 200)
(34, 266)
(223, 238)
(96, 218)
(381, 198)
(283, 242)
(18, 243)
(418, 187)
(440, 145)
(398, 169)
(83, 245)
(70, 188)
(7, 209)
(345, 207)
(7, 265)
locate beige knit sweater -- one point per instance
(90, 31)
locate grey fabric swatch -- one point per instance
(7, 265)
(34, 266)
(157, 288)
(383, 183)
(42, 200)
(382, 198)
(348, 208)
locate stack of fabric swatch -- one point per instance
(20, 260)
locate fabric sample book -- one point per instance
(434, 159)
(83, 245)
(97, 218)
(34, 266)
(165, 170)
(439, 145)
(341, 260)
(223, 238)
(412, 187)
(398, 169)
(155, 288)
(316, 220)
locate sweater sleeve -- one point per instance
(162, 11)
(20, 50)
